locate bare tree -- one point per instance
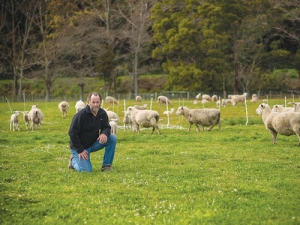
(137, 15)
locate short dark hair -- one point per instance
(94, 93)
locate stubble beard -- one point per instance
(95, 109)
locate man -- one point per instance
(89, 132)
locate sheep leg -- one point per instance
(198, 128)
(190, 126)
(274, 135)
(153, 128)
(158, 130)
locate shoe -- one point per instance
(70, 163)
(107, 167)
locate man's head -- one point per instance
(94, 102)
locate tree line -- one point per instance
(209, 45)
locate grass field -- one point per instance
(232, 176)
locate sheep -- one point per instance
(285, 123)
(26, 119)
(141, 107)
(79, 106)
(163, 100)
(237, 98)
(214, 98)
(114, 127)
(206, 97)
(201, 117)
(144, 118)
(111, 100)
(169, 112)
(198, 96)
(138, 98)
(223, 103)
(280, 108)
(35, 116)
(63, 108)
(14, 121)
(112, 116)
(127, 120)
(296, 106)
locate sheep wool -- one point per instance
(284, 123)
(201, 117)
(35, 116)
(14, 121)
(144, 118)
(63, 108)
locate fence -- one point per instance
(147, 96)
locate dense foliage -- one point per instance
(207, 45)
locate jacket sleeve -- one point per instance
(74, 132)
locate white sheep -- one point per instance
(79, 106)
(163, 100)
(35, 116)
(214, 98)
(223, 103)
(14, 121)
(141, 107)
(285, 123)
(138, 98)
(114, 127)
(280, 108)
(206, 97)
(144, 118)
(296, 106)
(201, 117)
(112, 116)
(111, 100)
(127, 120)
(63, 108)
(25, 118)
(169, 112)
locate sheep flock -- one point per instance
(278, 118)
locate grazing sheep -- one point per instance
(138, 98)
(63, 108)
(112, 116)
(26, 119)
(127, 120)
(237, 98)
(141, 107)
(79, 106)
(280, 108)
(201, 117)
(35, 116)
(169, 112)
(203, 96)
(111, 100)
(14, 121)
(144, 118)
(223, 103)
(114, 127)
(285, 123)
(163, 100)
(214, 98)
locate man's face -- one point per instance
(94, 103)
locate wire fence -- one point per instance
(186, 95)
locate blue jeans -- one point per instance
(86, 165)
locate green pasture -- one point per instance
(229, 176)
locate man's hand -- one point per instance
(84, 155)
(102, 139)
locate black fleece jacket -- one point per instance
(86, 128)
